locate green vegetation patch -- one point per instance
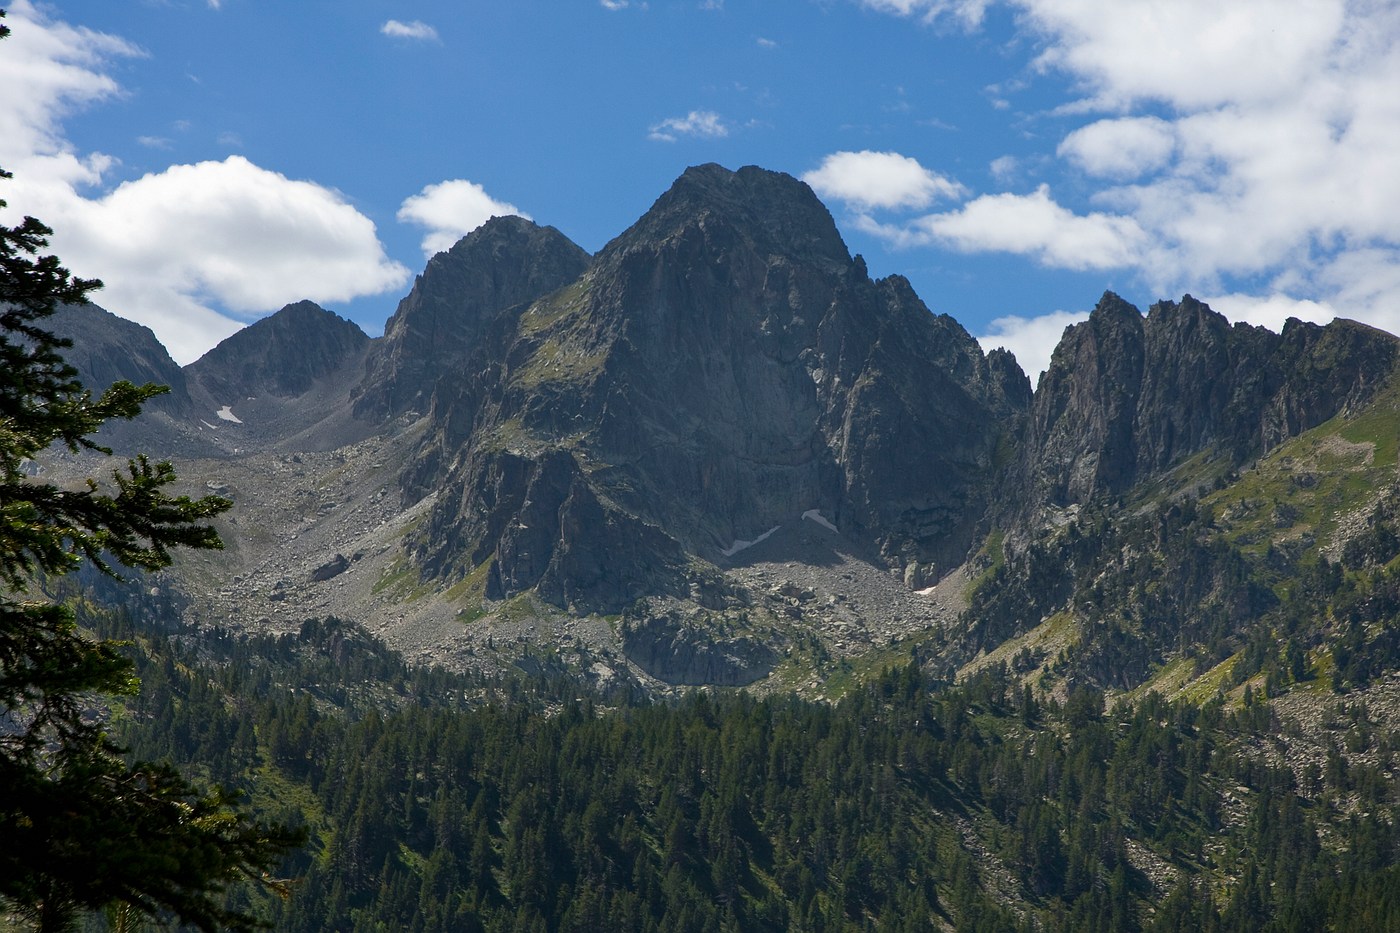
(1296, 495)
(560, 359)
(991, 558)
(567, 346)
(1172, 680)
(553, 308)
(398, 575)
(1045, 642)
(1212, 682)
(855, 672)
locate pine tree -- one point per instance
(83, 829)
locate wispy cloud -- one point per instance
(766, 43)
(699, 123)
(1004, 169)
(967, 12)
(412, 30)
(154, 142)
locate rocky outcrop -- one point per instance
(1126, 397)
(284, 354)
(107, 348)
(505, 262)
(1080, 435)
(543, 527)
(681, 652)
(723, 366)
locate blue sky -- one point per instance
(212, 160)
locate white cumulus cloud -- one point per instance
(51, 70)
(1270, 311)
(1120, 148)
(452, 209)
(170, 244)
(1190, 53)
(1031, 339)
(1245, 150)
(700, 123)
(181, 250)
(868, 180)
(411, 30)
(1031, 225)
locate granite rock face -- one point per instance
(722, 367)
(505, 262)
(1127, 397)
(284, 354)
(678, 651)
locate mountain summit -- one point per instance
(505, 262)
(722, 367)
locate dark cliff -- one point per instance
(505, 262)
(1127, 397)
(723, 366)
(284, 354)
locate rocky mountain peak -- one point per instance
(504, 263)
(283, 354)
(778, 213)
(724, 367)
(1127, 397)
(1081, 422)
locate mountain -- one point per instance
(506, 262)
(1189, 493)
(1119, 653)
(107, 348)
(283, 354)
(284, 380)
(1127, 397)
(720, 452)
(723, 367)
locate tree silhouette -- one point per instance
(83, 829)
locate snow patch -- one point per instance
(226, 413)
(816, 516)
(208, 425)
(738, 545)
